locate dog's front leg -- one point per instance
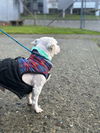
(29, 98)
(35, 96)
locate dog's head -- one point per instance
(48, 44)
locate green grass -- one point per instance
(45, 30)
(59, 17)
(40, 16)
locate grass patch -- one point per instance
(59, 17)
(45, 30)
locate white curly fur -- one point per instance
(49, 45)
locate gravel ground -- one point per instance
(71, 98)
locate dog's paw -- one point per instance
(38, 110)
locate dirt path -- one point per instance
(71, 99)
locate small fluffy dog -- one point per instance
(26, 77)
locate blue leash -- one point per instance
(15, 40)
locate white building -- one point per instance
(49, 4)
(90, 6)
(10, 10)
(74, 5)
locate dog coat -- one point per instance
(35, 64)
(11, 71)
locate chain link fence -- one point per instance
(85, 18)
(83, 14)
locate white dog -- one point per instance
(28, 76)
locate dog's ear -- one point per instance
(35, 42)
(50, 47)
(54, 48)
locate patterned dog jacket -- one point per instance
(11, 71)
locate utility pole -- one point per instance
(81, 15)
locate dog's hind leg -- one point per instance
(38, 82)
(36, 93)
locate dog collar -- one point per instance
(41, 52)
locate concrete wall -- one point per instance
(91, 25)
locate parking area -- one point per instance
(71, 98)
